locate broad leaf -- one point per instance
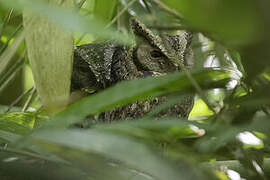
(126, 92)
(114, 150)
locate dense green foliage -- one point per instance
(226, 136)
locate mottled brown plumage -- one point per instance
(101, 65)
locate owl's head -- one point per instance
(153, 51)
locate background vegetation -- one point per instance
(226, 136)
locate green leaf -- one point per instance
(220, 135)
(104, 10)
(68, 19)
(114, 150)
(126, 92)
(19, 123)
(32, 168)
(236, 23)
(200, 109)
(8, 137)
(161, 130)
(14, 125)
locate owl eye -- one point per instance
(156, 54)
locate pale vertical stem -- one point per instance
(50, 52)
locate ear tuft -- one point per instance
(140, 30)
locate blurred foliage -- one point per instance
(226, 136)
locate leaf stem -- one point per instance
(120, 14)
(27, 103)
(167, 9)
(6, 20)
(113, 20)
(10, 38)
(12, 70)
(19, 99)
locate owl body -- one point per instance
(101, 65)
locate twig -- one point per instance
(27, 103)
(10, 74)
(167, 9)
(6, 82)
(80, 4)
(120, 13)
(18, 99)
(13, 69)
(147, 7)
